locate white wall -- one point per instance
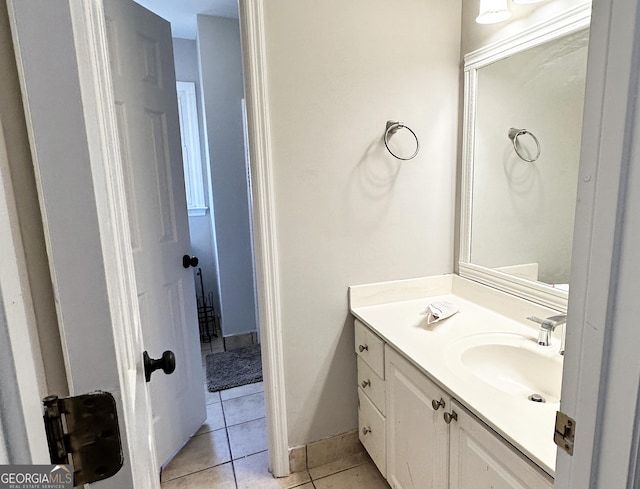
(203, 244)
(222, 89)
(347, 212)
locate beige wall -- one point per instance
(222, 91)
(347, 212)
(47, 337)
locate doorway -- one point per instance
(208, 66)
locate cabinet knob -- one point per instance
(366, 430)
(362, 348)
(365, 383)
(452, 416)
(437, 404)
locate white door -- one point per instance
(146, 108)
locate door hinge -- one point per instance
(565, 432)
(83, 431)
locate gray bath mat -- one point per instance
(234, 368)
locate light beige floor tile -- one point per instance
(242, 409)
(252, 472)
(248, 438)
(243, 390)
(339, 465)
(214, 421)
(211, 397)
(364, 476)
(220, 477)
(201, 452)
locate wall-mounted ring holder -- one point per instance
(514, 134)
(391, 129)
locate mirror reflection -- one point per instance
(525, 160)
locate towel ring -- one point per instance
(514, 134)
(392, 128)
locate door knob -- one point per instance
(190, 261)
(167, 363)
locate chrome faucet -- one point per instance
(547, 326)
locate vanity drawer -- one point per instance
(370, 348)
(372, 385)
(372, 431)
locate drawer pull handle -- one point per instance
(365, 383)
(366, 430)
(452, 416)
(437, 404)
(362, 348)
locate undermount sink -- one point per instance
(514, 364)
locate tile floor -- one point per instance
(230, 450)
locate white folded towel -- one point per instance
(438, 311)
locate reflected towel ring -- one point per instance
(392, 128)
(514, 134)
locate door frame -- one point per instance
(600, 380)
(253, 39)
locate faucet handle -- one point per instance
(536, 319)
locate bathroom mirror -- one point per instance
(524, 100)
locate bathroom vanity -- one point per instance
(446, 405)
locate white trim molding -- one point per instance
(266, 246)
(572, 20)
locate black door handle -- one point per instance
(167, 363)
(190, 261)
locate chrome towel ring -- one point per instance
(392, 128)
(514, 134)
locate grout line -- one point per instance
(243, 395)
(195, 472)
(338, 471)
(226, 432)
(245, 421)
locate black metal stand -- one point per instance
(208, 320)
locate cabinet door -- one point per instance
(480, 459)
(417, 436)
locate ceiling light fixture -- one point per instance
(526, 2)
(493, 11)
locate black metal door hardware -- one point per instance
(167, 362)
(86, 427)
(190, 261)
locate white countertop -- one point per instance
(402, 324)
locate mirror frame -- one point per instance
(570, 21)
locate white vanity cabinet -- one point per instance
(479, 458)
(403, 428)
(417, 435)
